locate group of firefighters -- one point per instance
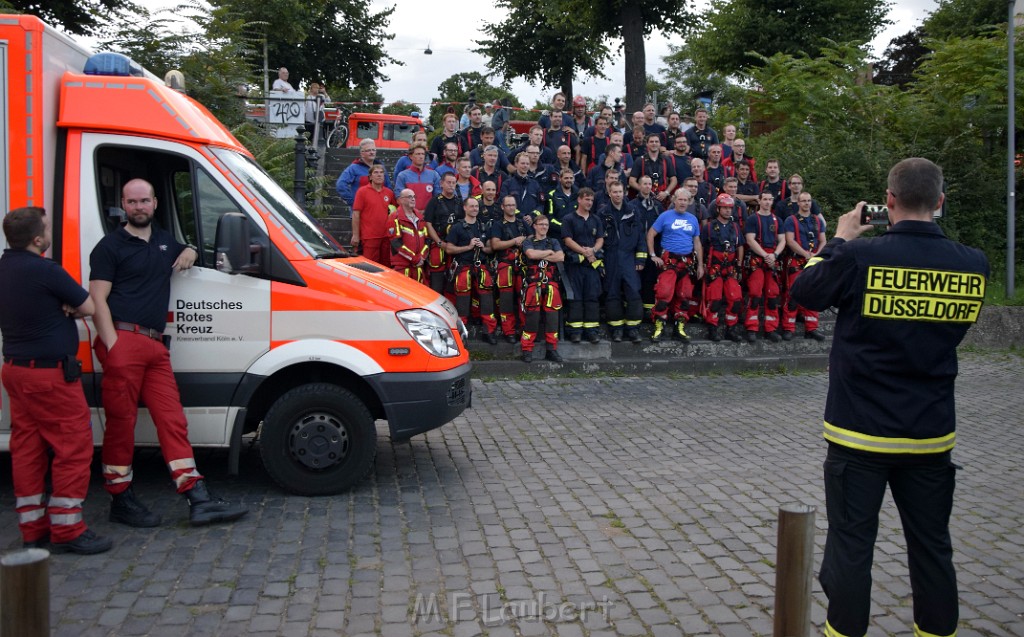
(624, 231)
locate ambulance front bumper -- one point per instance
(418, 402)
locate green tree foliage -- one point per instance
(901, 58)
(835, 130)
(952, 18)
(685, 83)
(632, 21)
(339, 42)
(79, 17)
(400, 108)
(558, 50)
(457, 90)
(357, 100)
(843, 133)
(965, 17)
(277, 157)
(959, 102)
(214, 67)
(732, 29)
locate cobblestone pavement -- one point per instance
(573, 506)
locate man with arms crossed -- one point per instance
(39, 303)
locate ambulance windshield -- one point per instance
(301, 226)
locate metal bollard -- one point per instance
(793, 566)
(25, 593)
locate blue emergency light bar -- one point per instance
(114, 64)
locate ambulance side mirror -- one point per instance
(236, 251)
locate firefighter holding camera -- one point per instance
(906, 300)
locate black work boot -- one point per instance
(714, 334)
(205, 508)
(553, 356)
(616, 334)
(88, 543)
(126, 509)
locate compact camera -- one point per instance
(876, 215)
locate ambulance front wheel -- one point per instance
(318, 439)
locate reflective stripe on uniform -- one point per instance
(65, 519)
(65, 503)
(183, 470)
(813, 261)
(182, 463)
(920, 633)
(117, 474)
(881, 444)
(28, 500)
(31, 515)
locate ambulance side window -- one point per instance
(200, 204)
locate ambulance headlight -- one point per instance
(430, 331)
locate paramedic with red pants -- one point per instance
(723, 245)
(681, 263)
(805, 237)
(764, 238)
(130, 283)
(890, 416)
(39, 302)
(541, 295)
(407, 232)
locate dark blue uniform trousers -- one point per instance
(922, 488)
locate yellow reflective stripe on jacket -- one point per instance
(881, 444)
(812, 261)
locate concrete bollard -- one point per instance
(793, 565)
(25, 593)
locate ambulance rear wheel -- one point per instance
(318, 439)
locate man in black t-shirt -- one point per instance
(39, 303)
(130, 283)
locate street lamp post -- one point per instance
(1015, 7)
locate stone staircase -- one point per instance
(699, 356)
(332, 164)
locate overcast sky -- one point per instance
(415, 24)
(451, 27)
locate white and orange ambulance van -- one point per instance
(276, 332)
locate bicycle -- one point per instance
(337, 119)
